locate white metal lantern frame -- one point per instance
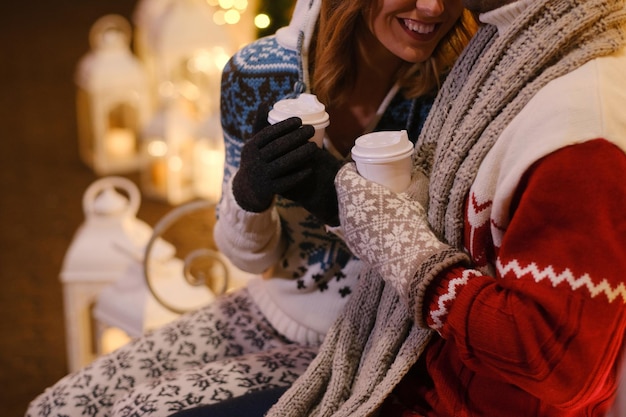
(168, 149)
(154, 292)
(209, 158)
(110, 239)
(186, 49)
(113, 102)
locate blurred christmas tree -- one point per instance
(279, 13)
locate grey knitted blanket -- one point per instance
(375, 342)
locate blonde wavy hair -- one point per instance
(334, 46)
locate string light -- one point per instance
(240, 5)
(232, 17)
(157, 148)
(226, 4)
(262, 21)
(219, 17)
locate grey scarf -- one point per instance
(374, 342)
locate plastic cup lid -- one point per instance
(306, 106)
(384, 146)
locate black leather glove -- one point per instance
(272, 162)
(316, 192)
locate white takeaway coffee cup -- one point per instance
(385, 157)
(308, 108)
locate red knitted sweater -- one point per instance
(539, 335)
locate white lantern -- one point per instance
(146, 17)
(126, 308)
(168, 146)
(189, 50)
(113, 100)
(209, 160)
(159, 289)
(105, 245)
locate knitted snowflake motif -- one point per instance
(383, 227)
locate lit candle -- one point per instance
(158, 176)
(120, 143)
(113, 338)
(209, 169)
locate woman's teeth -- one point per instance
(419, 27)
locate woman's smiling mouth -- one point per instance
(418, 27)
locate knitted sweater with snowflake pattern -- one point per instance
(308, 272)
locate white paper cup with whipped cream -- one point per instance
(385, 157)
(308, 108)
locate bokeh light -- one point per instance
(262, 21)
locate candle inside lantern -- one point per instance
(157, 150)
(209, 172)
(113, 338)
(175, 173)
(120, 143)
(158, 175)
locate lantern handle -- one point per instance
(102, 184)
(106, 23)
(161, 226)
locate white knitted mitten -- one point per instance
(390, 232)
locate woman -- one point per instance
(375, 65)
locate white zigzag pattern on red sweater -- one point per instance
(442, 310)
(566, 276)
(438, 315)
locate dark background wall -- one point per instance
(41, 184)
